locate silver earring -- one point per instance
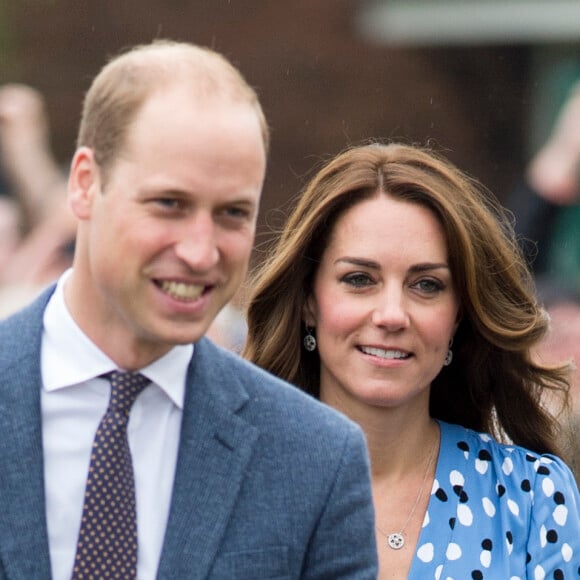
(449, 355)
(309, 340)
(448, 358)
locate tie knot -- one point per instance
(125, 387)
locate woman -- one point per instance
(397, 294)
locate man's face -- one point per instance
(165, 243)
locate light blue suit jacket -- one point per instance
(269, 482)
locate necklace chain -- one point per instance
(396, 540)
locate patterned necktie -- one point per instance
(107, 544)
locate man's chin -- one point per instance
(179, 333)
(179, 330)
(187, 337)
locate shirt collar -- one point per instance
(69, 357)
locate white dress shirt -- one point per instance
(73, 400)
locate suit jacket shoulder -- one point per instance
(22, 505)
(269, 482)
(281, 481)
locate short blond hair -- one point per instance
(124, 84)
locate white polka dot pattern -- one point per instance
(107, 544)
(498, 511)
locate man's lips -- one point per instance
(181, 290)
(386, 353)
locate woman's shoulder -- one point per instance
(485, 446)
(508, 509)
(523, 467)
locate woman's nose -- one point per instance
(390, 310)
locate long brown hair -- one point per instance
(494, 384)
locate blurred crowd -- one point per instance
(546, 205)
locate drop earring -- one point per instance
(449, 355)
(309, 340)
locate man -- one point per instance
(234, 473)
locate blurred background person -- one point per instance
(36, 226)
(546, 205)
(547, 218)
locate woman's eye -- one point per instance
(357, 279)
(429, 286)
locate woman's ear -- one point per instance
(83, 183)
(309, 312)
(458, 319)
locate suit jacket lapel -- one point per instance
(215, 447)
(23, 534)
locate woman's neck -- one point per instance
(398, 442)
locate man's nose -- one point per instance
(197, 245)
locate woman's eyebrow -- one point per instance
(422, 267)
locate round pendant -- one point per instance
(396, 540)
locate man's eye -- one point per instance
(237, 212)
(167, 202)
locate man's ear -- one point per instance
(84, 182)
(309, 312)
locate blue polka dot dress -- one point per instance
(498, 512)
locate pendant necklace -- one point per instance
(396, 540)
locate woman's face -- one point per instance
(383, 305)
